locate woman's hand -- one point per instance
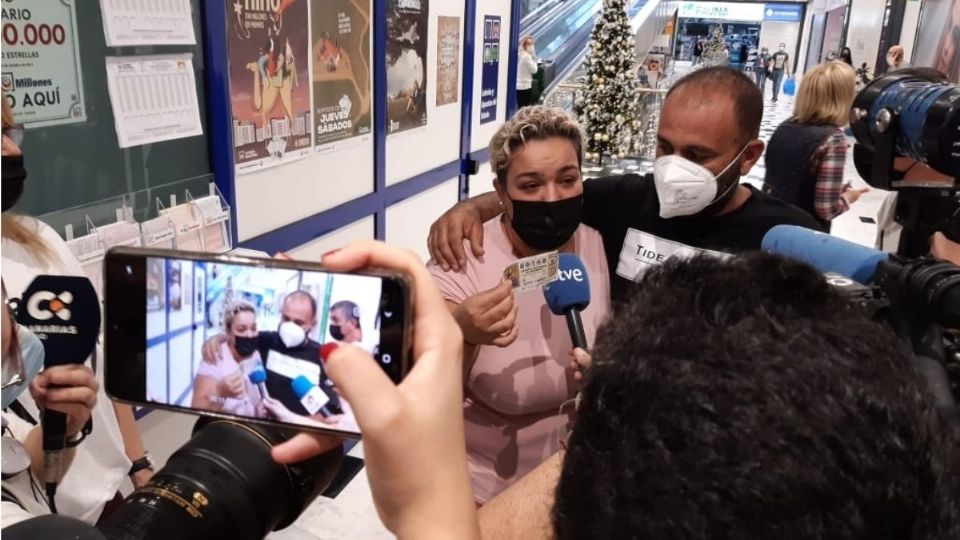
(412, 432)
(851, 195)
(233, 385)
(70, 389)
(489, 317)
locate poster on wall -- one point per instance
(407, 25)
(267, 43)
(490, 76)
(938, 38)
(448, 59)
(155, 23)
(41, 62)
(341, 70)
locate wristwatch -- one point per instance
(146, 462)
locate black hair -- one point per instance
(745, 398)
(747, 99)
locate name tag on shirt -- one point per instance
(642, 251)
(291, 367)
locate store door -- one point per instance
(815, 48)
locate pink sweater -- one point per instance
(514, 393)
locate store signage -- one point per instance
(41, 62)
(783, 12)
(490, 74)
(728, 11)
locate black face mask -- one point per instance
(14, 175)
(546, 225)
(245, 346)
(336, 332)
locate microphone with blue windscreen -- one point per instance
(569, 295)
(312, 398)
(259, 378)
(824, 252)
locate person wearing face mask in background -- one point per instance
(526, 69)
(763, 69)
(114, 450)
(345, 324)
(71, 389)
(692, 202)
(289, 353)
(779, 64)
(517, 354)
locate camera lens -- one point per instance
(222, 484)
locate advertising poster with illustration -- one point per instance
(341, 70)
(41, 74)
(269, 82)
(407, 24)
(490, 73)
(448, 59)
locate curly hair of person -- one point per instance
(744, 398)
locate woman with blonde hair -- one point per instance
(526, 69)
(223, 385)
(517, 363)
(114, 449)
(806, 155)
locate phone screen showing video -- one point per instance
(245, 341)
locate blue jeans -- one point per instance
(777, 76)
(761, 74)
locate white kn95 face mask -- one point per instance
(685, 188)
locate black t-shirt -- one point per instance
(278, 385)
(615, 204)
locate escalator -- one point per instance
(561, 31)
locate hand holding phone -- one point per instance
(224, 334)
(412, 427)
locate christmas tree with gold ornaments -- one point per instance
(608, 105)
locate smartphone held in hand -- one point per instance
(244, 337)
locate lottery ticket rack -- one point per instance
(187, 215)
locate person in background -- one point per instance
(698, 52)
(526, 69)
(779, 66)
(114, 450)
(345, 322)
(846, 56)
(516, 354)
(896, 58)
(806, 155)
(70, 389)
(762, 69)
(223, 386)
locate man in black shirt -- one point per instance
(288, 354)
(693, 202)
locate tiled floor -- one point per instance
(854, 225)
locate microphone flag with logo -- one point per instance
(64, 312)
(569, 294)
